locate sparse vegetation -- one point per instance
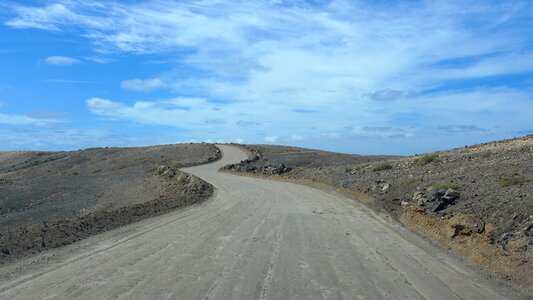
(446, 185)
(426, 159)
(361, 166)
(415, 180)
(510, 180)
(486, 154)
(348, 170)
(382, 167)
(414, 192)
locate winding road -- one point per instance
(255, 239)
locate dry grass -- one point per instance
(382, 167)
(427, 159)
(510, 180)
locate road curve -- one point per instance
(256, 239)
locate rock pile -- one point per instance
(166, 171)
(254, 165)
(437, 200)
(216, 156)
(267, 169)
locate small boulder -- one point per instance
(436, 194)
(439, 199)
(419, 198)
(421, 201)
(385, 187)
(162, 169)
(170, 173)
(451, 194)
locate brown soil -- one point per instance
(491, 223)
(50, 199)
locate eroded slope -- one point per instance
(50, 199)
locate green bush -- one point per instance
(510, 180)
(382, 167)
(426, 159)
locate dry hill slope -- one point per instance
(476, 200)
(256, 239)
(50, 199)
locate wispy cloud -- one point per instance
(61, 60)
(271, 139)
(326, 70)
(56, 15)
(47, 115)
(454, 128)
(99, 59)
(140, 85)
(177, 112)
(343, 40)
(386, 95)
(31, 119)
(65, 81)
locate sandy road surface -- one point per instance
(257, 239)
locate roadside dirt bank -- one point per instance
(486, 217)
(52, 199)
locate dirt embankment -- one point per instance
(475, 200)
(50, 199)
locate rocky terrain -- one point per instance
(476, 200)
(277, 160)
(50, 199)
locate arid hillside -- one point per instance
(50, 199)
(475, 200)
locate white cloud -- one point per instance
(140, 85)
(37, 120)
(296, 137)
(177, 112)
(271, 139)
(55, 80)
(323, 55)
(99, 59)
(53, 16)
(101, 106)
(61, 60)
(67, 138)
(332, 59)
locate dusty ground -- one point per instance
(50, 199)
(490, 222)
(256, 239)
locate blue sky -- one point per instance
(369, 77)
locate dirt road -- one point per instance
(257, 239)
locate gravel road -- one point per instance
(256, 239)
